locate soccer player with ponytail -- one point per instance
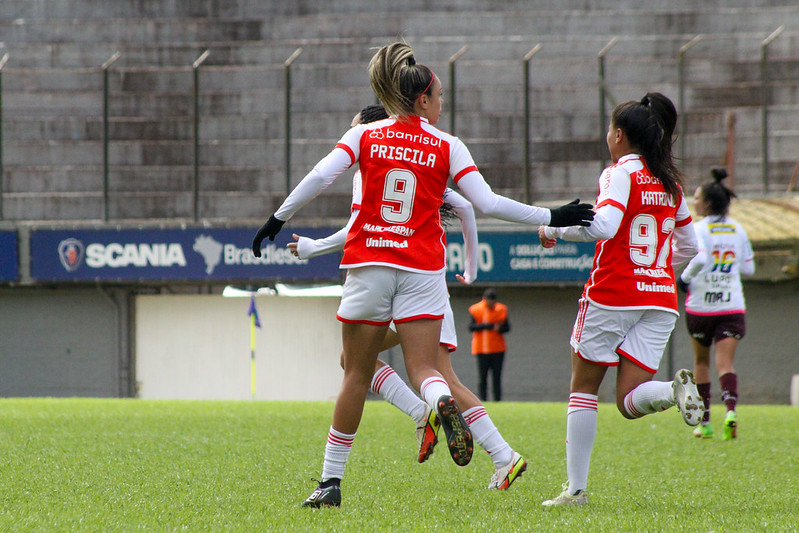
(394, 252)
(715, 309)
(629, 304)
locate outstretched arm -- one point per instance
(478, 192)
(306, 248)
(319, 178)
(604, 226)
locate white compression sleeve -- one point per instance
(604, 226)
(486, 201)
(308, 248)
(465, 213)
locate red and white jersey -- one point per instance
(405, 166)
(633, 269)
(714, 275)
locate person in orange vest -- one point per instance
(489, 323)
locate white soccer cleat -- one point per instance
(504, 476)
(687, 398)
(564, 498)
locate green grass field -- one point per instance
(124, 465)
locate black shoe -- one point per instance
(324, 497)
(459, 438)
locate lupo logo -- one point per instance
(70, 252)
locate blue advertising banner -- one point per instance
(9, 256)
(518, 257)
(191, 254)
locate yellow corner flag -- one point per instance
(254, 323)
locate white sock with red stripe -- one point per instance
(391, 388)
(487, 435)
(337, 450)
(580, 433)
(432, 389)
(647, 398)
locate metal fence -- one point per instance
(770, 70)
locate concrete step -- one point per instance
(739, 94)
(323, 51)
(409, 23)
(544, 125)
(60, 207)
(68, 9)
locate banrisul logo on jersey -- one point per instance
(184, 254)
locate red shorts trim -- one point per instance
(368, 322)
(451, 348)
(716, 313)
(595, 362)
(635, 361)
(418, 317)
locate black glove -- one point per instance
(681, 285)
(572, 214)
(270, 229)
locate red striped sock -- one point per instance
(337, 450)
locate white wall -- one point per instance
(198, 347)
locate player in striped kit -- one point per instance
(629, 304)
(715, 309)
(394, 252)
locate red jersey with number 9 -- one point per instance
(633, 269)
(405, 165)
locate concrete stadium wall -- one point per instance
(64, 342)
(198, 346)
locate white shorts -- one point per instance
(377, 295)
(448, 336)
(601, 336)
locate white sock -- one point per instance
(487, 435)
(390, 386)
(337, 450)
(647, 398)
(580, 433)
(432, 389)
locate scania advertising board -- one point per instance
(205, 254)
(200, 254)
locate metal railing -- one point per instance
(3, 62)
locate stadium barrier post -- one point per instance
(604, 93)
(105, 67)
(526, 87)
(452, 90)
(196, 132)
(764, 98)
(681, 88)
(3, 62)
(287, 123)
